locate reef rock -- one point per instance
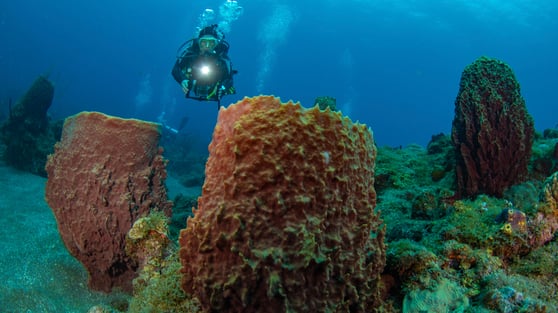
(445, 296)
(492, 131)
(544, 224)
(324, 102)
(549, 194)
(27, 133)
(286, 219)
(105, 173)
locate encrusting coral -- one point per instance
(286, 219)
(544, 224)
(157, 287)
(147, 243)
(549, 194)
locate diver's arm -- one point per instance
(179, 75)
(227, 81)
(177, 72)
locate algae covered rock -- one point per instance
(446, 296)
(27, 133)
(325, 102)
(549, 194)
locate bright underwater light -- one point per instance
(205, 70)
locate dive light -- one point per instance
(205, 70)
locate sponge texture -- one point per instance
(286, 219)
(106, 173)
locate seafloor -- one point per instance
(37, 274)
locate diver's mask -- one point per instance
(207, 43)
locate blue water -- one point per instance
(392, 64)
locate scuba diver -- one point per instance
(203, 69)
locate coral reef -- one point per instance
(544, 224)
(551, 133)
(163, 292)
(513, 293)
(544, 158)
(286, 219)
(472, 255)
(444, 296)
(498, 253)
(27, 133)
(492, 130)
(157, 287)
(324, 102)
(147, 243)
(549, 194)
(105, 173)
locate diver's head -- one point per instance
(207, 43)
(209, 38)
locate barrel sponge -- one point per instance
(286, 220)
(492, 130)
(105, 173)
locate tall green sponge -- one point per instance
(492, 131)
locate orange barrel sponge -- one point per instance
(286, 219)
(105, 173)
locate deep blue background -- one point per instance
(394, 65)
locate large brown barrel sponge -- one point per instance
(286, 219)
(105, 173)
(492, 131)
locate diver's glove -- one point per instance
(221, 92)
(226, 91)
